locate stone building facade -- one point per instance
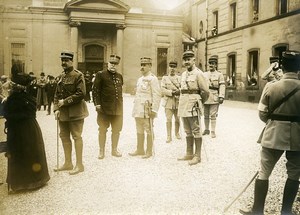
(243, 34)
(33, 33)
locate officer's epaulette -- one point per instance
(76, 70)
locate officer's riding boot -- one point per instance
(197, 156)
(177, 132)
(149, 147)
(206, 124)
(115, 141)
(102, 140)
(169, 132)
(79, 165)
(290, 191)
(260, 193)
(67, 146)
(140, 146)
(213, 128)
(189, 149)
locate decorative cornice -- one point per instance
(120, 26)
(74, 23)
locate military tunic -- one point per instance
(107, 92)
(170, 83)
(71, 88)
(193, 83)
(216, 86)
(282, 135)
(147, 90)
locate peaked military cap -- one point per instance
(67, 54)
(173, 63)
(274, 59)
(213, 59)
(115, 59)
(188, 53)
(146, 60)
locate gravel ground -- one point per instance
(161, 184)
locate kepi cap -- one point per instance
(213, 59)
(187, 54)
(146, 60)
(67, 54)
(173, 63)
(114, 59)
(291, 60)
(274, 59)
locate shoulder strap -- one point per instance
(284, 99)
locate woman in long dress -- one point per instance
(27, 164)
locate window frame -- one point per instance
(231, 70)
(252, 74)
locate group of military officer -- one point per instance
(188, 96)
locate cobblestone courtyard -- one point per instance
(159, 185)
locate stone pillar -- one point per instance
(74, 41)
(120, 39)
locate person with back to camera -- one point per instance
(70, 110)
(27, 165)
(279, 109)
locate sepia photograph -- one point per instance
(149, 107)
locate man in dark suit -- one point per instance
(108, 101)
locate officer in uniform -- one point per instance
(273, 73)
(216, 96)
(194, 92)
(108, 100)
(279, 109)
(70, 110)
(170, 88)
(145, 108)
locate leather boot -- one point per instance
(79, 165)
(169, 132)
(197, 157)
(260, 193)
(149, 147)
(102, 140)
(189, 149)
(213, 128)
(115, 141)
(206, 124)
(177, 133)
(140, 146)
(67, 146)
(289, 194)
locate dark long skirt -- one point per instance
(27, 165)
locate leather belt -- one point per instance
(190, 91)
(284, 118)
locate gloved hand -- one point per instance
(175, 92)
(221, 100)
(98, 107)
(152, 114)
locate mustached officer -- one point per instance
(108, 100)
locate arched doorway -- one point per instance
(94, 58)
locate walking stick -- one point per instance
(57, 145)
(148, 105)
(250, 182)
